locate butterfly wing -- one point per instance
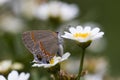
(41, 43)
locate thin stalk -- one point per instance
(81, 63)
(56, 76)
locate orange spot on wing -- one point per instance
(33, 38)
(43, 49)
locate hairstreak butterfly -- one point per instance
(43, 44)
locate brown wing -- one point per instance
(39, 40)
(28, 42)
(49, 40)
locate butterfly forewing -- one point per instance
(49, 39)
(29, 43)
(41, 42)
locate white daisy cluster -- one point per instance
(93, 77)
(53, 61)
(97, 68)
(24, 7)
(7, 65)
(15, 76)
(96, 65)
(81, 34)
(2, 2)
(56, 9)
(11, 24)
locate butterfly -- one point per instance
(43, 44)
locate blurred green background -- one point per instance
(105, 13)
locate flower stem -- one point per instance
(81, 63)
(56, 76)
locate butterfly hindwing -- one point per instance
(42, 44)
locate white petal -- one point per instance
(67, 37)
(98, 35)
(21, 76)
(79, 28)
(83, 40)
(72, 30)
(68, 12)
(42, 12)
(95, 31)
(2, 77)
(13, 75)
(27, 76)
(42, 65)
(49, 65)
(65, 56)
(87, 29)
(38, 65)
(66, 34)
(56, 58)
(5, 65)
(24, 76)
(93, 77)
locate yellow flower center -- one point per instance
(52, 61)
(82, 35)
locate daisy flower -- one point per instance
(93, 77)
(53, 61)
(82, 35)
(2, 2)
(56, 9)
(15, 76)
(14, 25)
(5, 66)
(96, 66)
